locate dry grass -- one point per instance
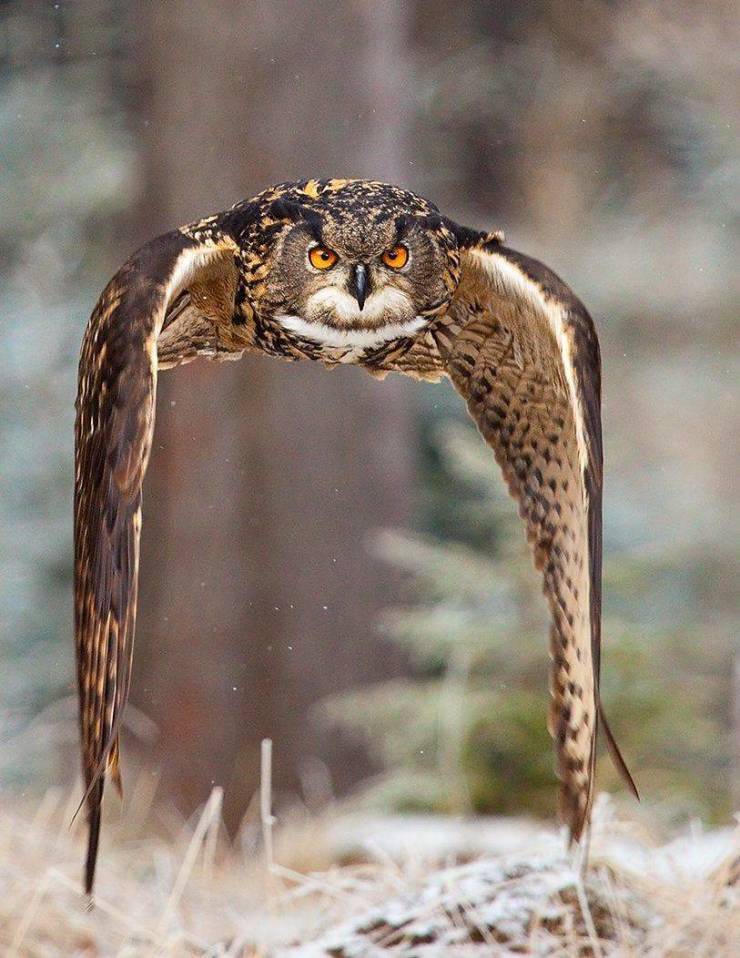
(361, 887)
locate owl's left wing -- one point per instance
(522, 351)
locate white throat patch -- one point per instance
(354, 332)
(350, 338)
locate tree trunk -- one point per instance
(258, 596)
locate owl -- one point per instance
(347, 271)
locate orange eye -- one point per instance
(396, 257)
(322, 258)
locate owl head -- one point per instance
(355, 259)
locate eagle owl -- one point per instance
(347, 271)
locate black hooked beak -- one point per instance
(359, 284)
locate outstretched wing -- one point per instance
(526, 360)
(113, 435)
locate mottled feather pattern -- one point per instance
(113, 432)
(114, 412)
(537, 403)
(514, 340)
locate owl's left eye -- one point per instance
(321, 257)
(396, 257)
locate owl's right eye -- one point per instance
(321, 257)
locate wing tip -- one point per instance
(616, 755)
(574, 814)
(93, 839)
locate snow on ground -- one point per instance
(532, 897)
(357, 886)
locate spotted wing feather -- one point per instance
(113, 435)
(526, 360)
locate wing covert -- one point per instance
(113, 435)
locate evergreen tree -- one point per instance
(468, 731)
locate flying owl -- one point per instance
(347, 271)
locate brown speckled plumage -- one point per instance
(516, 343)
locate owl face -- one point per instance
(357, 273)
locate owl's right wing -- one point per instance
(174, 279)
(522, 351)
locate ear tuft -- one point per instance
(292, 212)
(405, 222)
(283, 209)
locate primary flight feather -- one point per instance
(347, 271)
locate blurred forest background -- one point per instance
(331, 561)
